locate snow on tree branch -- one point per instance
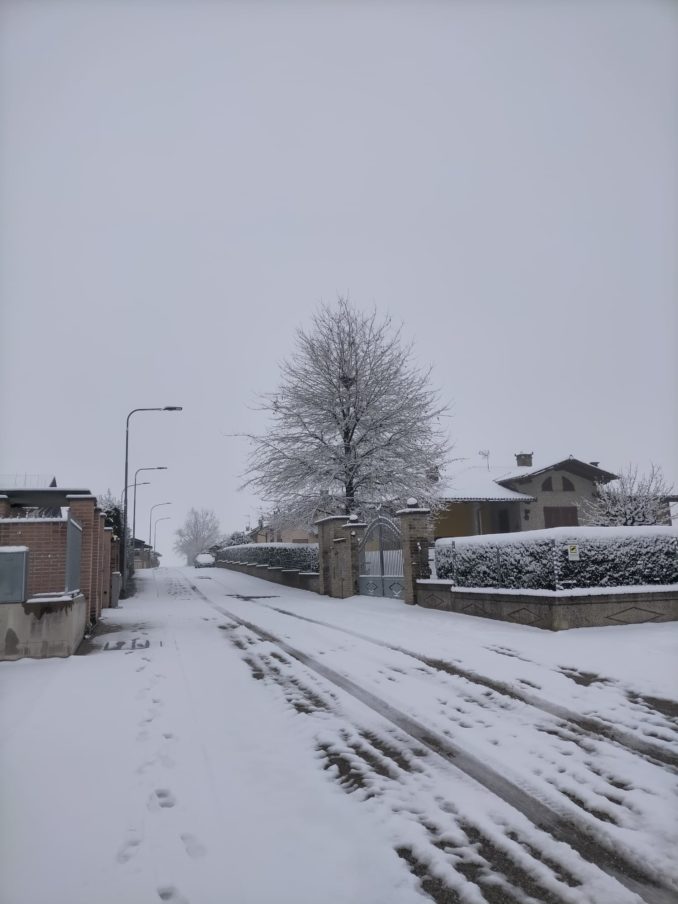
(354, 424)
(632, 499)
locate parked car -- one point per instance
(204, 560)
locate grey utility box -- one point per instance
(13, 574)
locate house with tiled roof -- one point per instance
(494, 500)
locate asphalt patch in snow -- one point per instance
(434, 887)
(249, 599)
(586, 679)
(668, 708)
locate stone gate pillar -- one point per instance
(416, 527)
(354, 531)
(329, 529)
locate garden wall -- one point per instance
(554, 610)
(289, 564)
(302, 556)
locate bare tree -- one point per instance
(354, 423)
(632, 499)
(199, 532)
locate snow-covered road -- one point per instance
(227, 739)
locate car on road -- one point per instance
(204, 560)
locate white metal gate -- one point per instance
(381, 560)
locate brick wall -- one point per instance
(83, 510)
(46, 541)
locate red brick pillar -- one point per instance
(106, 569)
(99, 519)
(5, 511)
(83, 510)
(416, 528)
(102, 559)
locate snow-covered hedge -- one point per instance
(303, 556)
(541, 559)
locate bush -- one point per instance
(303, 556)
(539, 560)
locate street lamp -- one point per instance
(123, 551)
(155, 528)
(143, 483)
(150, 517)
(134, 503)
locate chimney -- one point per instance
(524, 459)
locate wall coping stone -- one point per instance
(330, 518)
(601, 594)
(414, 511)
(33, 520)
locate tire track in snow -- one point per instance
(632, 876)
(588, 724)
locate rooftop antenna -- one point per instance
(485, 453)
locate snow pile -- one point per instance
(562, 557)
(303, 556)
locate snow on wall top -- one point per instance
(564, 534)
(275, 545)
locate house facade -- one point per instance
(481, 500)
(266, 533)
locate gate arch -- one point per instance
(381, 560)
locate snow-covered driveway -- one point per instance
(226, 739)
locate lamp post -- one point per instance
(142, 483)
(150, 518)
(123, 551)
(134, 503)
(155, 529)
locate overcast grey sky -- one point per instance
(183, 182)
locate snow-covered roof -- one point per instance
(575, 465)
(479, 484)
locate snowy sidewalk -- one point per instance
(166, 773)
